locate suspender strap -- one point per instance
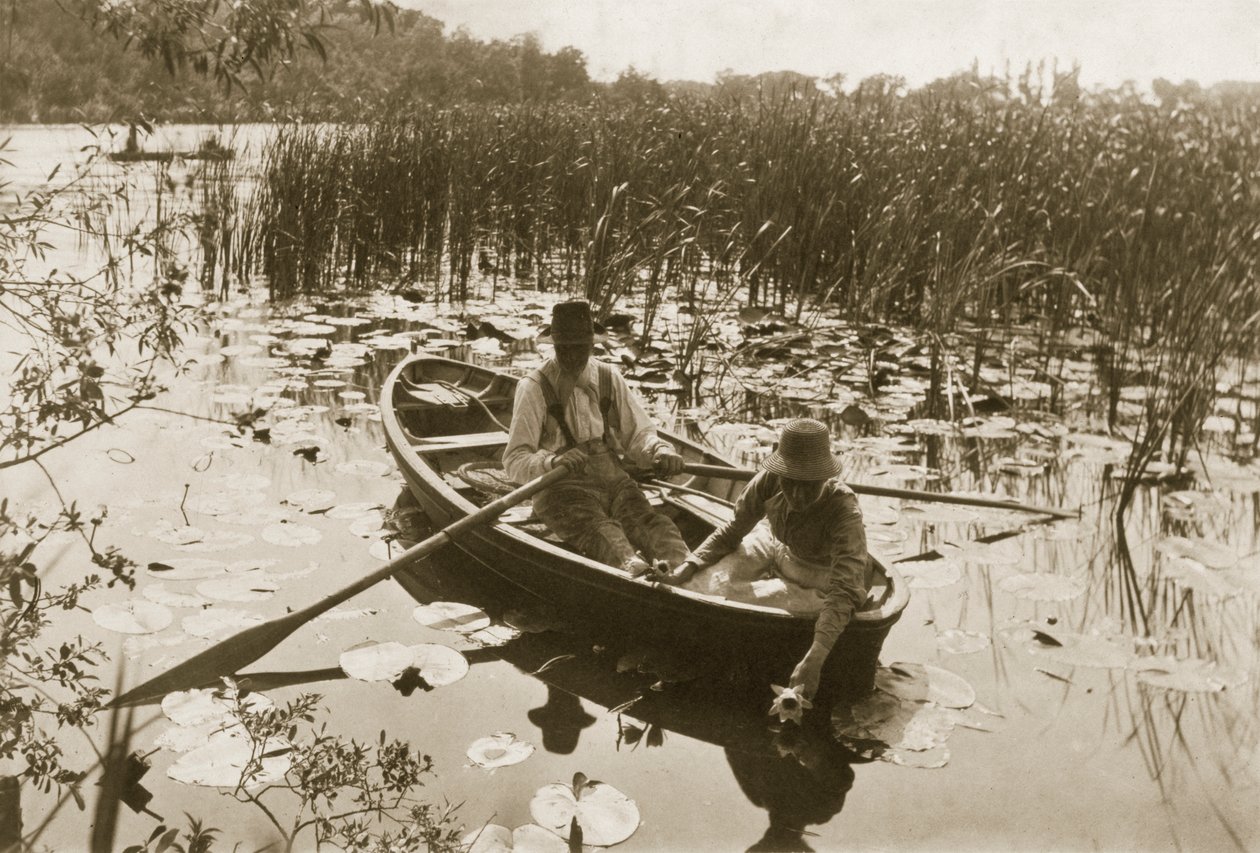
(605, 399)
(554, 407)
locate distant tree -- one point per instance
(634, 87)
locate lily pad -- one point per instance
(363, 468)
(159, 594)
(311, 500)
(527, 838)
(217, 540)
(389, 549)
(376, 661)
(437, 664)
(208, 705)
(223, 762)
(185, 569)
(499, 750)
(451, 616)
(291, 535)
(929, 574)
(1188, 675)
(215, 623)
(353, 510)
(250, 587)
(958, 642)
(1042, 586)
(1190, 574)
(605, 815)
(133, 616)
(1093, 650)
(920, 682)
(1211, 554)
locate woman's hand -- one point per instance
(808, 672)
(681, 573)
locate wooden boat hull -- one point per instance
(764, 640)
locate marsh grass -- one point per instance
(1003, 205)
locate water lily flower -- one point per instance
(788, 704)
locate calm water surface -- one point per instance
(1065, 751)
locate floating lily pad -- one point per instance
(159, 594)
(388, 549)
(364, 468)
(1094, 650)
(605, 815)
(1211, 554)
(920, 682)
(291, 535)
(369, 525)
(209, 705)
(894, 723)
(133, 616)
(311, 500)
(499, 750)
(353, 510)
(217, 540)
(257, 516)
(496, 635)
(376, 661)
(437, 664)
(938, 514)
(177, 535)
(218, 622)
(1190, 574)
(528, 838)
(239, 588)
(929, 759)
(1188, 675)
(929, 574)
(1042, 586)
(958, 642)
(223, 761)
(222, 503)
(451, 616)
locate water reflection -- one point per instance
(799, 775)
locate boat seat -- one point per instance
(464, 441)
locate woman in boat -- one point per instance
(796, 541)
(579, 412)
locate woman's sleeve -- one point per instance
(750, 508)
(847, 591)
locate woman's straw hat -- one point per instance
(804, 452)
(571, 323)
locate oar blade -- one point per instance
(207, 667)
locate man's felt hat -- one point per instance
(571, 323)
(804, 452)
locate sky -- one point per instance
(921, 40)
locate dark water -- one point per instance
(1070, 746)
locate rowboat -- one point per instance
(444, 424)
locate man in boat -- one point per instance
(579, 412)
(796, 540)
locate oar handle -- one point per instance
(490, 511)
(728, 472)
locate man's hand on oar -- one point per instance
(242, 649)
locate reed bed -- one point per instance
(989, 209)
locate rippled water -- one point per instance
(1089, 729)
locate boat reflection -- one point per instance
(799, 775)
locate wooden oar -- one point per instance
(229, 656)
(728, 473)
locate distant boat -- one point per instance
(209, 149)
(212, 154)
